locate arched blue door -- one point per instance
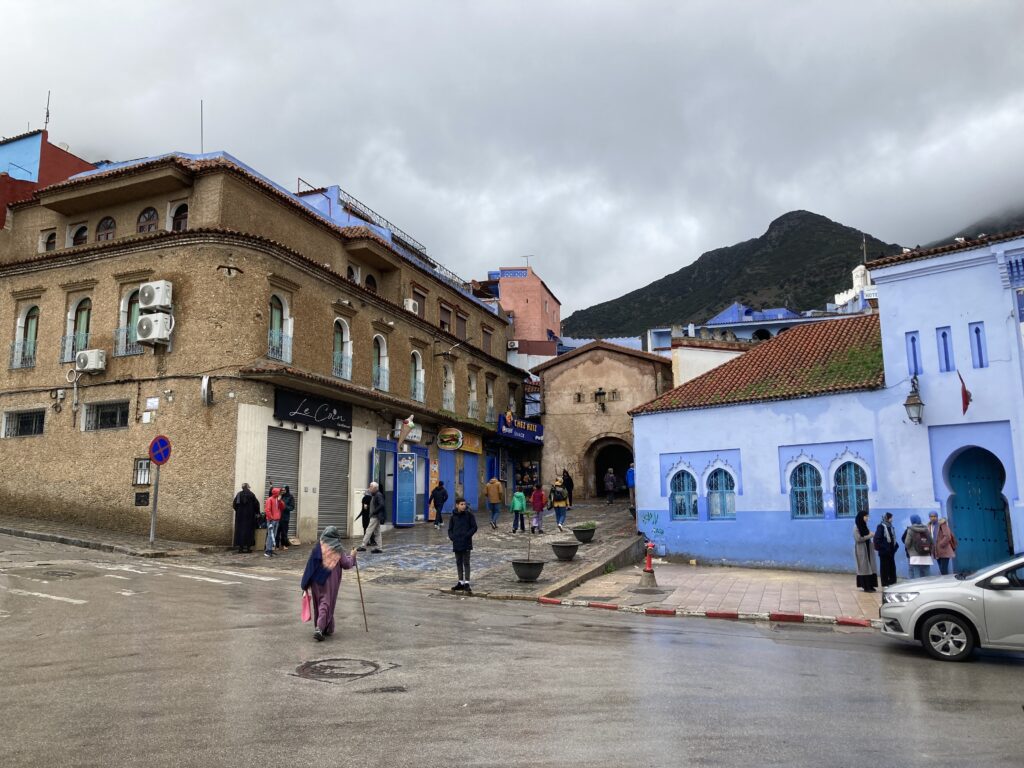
(977, 510)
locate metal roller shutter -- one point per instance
(333, 502)
(283, 466)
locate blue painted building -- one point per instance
(766, 459)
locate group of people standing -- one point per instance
(558, 498)
(276, 517)
(924, 545)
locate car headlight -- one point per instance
(898, 597)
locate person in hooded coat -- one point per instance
(568, 483)
(867, 576)
(323, 578)
(886, 546)
(247, 509)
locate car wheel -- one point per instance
(947, 637)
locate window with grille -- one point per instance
(851, 490)
(24, 423)
(721, 496)
(141, 472)
(106, 416)
(805, 498)
(684, 496)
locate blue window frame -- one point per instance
(851, 490)
(944, 342)
(721, 496)
(684, 496)
(979, 347)
(914, 353)
(805, 498)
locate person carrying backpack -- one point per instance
(918, 544)
(438, 498)
(558, 500)
(518, 512)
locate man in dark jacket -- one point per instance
(289, 506)
(377, 516)
(438, 498)
(461, 527)
(247, 508)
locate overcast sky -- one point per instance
(613, 141)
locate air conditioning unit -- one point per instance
(155, 296)
(412, 305)
(154, 328)
(514, 344)
(91, 361)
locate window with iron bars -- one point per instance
(140, 473)
(106, 416)
(23, 423)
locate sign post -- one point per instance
(159, 453)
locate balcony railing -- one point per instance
(474, 409)
(72, 345)
(125, 343)
(23, 354)
(279, 346)
(380, 378)
(417, 391)
(342, 368)
(492, 415)
(448, 401)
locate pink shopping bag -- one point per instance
(307, 608)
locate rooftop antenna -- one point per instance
(527, 257)
(202, 145)
(46, 120)
(864, 248)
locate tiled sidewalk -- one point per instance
(88, 537)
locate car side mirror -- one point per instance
(999, 582)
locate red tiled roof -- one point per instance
(927, 253)
(805, 361)
(600, 344)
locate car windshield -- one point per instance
(1015, 560)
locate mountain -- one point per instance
(800, 262)
(1009, 220)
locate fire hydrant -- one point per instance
(647, 577)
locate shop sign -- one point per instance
(415, 434)
(449, 439)
(519, 429)
(310, 409)
(472, 443)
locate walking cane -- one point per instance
(361, 601)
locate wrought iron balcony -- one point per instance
(23, 354)
(448, 401)
(492, 415)
(72, 345)
(342, 368)
(125, 343)
(380, 378)
(417, 391)
(279, 346)
(474, 409)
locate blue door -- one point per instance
(977, 511)
(446, 474)
(471, 479)
(405, 489)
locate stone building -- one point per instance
(586, 396)
(304, 329)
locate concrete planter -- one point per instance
(565, 550)
(584, 535)
(528, 570)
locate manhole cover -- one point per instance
(394, 579)
(59, 575)
(340, 670)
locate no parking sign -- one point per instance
(159, 454)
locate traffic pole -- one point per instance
(152, 514)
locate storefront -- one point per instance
(459, 465)
(517, 448)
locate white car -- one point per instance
(952, 615)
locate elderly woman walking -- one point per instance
(323, 577)
(867, 576)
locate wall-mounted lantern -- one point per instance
(599, 396)
(913, 403)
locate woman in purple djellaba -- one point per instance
(323, 578)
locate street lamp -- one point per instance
(913, 403)
(599, 398)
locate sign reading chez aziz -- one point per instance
(310, 409)
(518, 429)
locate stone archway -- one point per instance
(604, 452)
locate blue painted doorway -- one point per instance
(977, 509)
(446, 474)
(471, 479)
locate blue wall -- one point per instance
(20, 159)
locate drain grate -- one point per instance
(340, 670)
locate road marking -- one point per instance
(26, 593)
(128, 592)
(205, 578)
(115, 576)
(223, 572)
(26, 578)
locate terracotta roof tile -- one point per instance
(807, 360)
(600, 344)
(928, 253)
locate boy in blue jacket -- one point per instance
(461, 527)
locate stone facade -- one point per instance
(247, 244)
(586, 396)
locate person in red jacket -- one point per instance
(272, 508)
(537, 502)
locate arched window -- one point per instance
(77, 337)
(371, 283)
(473, 404)
(106, 229)
(851, 490)
(127, 335)
(24, 353)
(761, 334)
(684, 496)
(448, 396)
(279, 340)
(380, 364)
(489, 395)
(50, 244)
(721, 495)
(416, 388)
(81, 236)
(147, 221)
(179, 219)
(805, 499)
(342, 365)
(351, 274)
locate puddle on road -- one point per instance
(341, 670)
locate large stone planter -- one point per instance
(565, 550)
(527, 570)
(584, 535)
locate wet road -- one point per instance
(108, 660)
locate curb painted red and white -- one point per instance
(778, 616)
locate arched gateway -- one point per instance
(978, 510)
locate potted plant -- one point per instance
(584, 532)
(528, 569)
(565, 550)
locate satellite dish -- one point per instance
(206, 391)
